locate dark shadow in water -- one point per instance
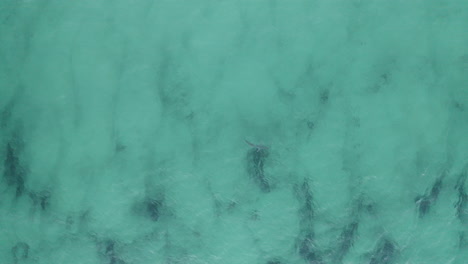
(424, 202)
(255, 165)
(20, 252)
(349, 233)
(306, 244)
(384, 253)
(463, 240)
(108, 251)
(40, 199)
(304, 195)
(14, 173)
(324, 96)
(154, 208)
(346, 240)
(461, 204)
(274, 261)
(308, 250)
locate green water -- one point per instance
(123, 128)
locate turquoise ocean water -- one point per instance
(233, 131)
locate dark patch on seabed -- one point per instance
(5, 115)
(306, 244)
(274, 261)
(324, 96)
(20, 252)
(108, 252)
(308, 249)
(154, 208)
(462, 202)
(346, 240)
(304, 195)
(425, 201)
(349, 232)
(256, 158)
(14, 173)
(40, 199)
(385, 252)
(463, 240)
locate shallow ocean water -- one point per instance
(123, 129)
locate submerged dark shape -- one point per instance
(20, 252)
(40, 199)
(435, 190)
(307, 249)
(306, 246)
(424, 202)
(365, 205)
(324, 95)
(5, 117)
(256, 160)
(153, 208)
(274, 261)
(109, 249)
(461, 204)
(304, 195)
(109, 252)
(14, 173)
(346, 240)
(384, 253)
(462, 240)
(116, 260)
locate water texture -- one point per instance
(233, 131)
